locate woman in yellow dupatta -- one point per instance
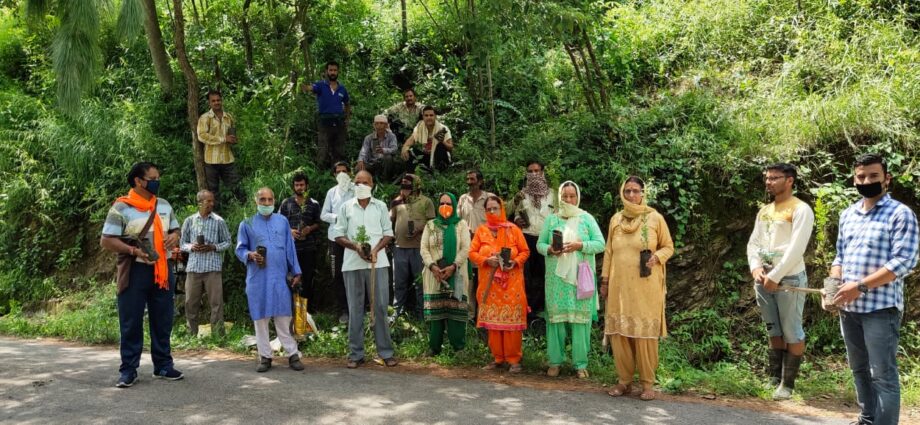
(634, 318)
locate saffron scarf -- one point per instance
(160, 271)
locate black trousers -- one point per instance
(307, 260)
(336, 253)
(331, 140)
(215, 173)
(535, 277)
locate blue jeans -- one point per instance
(872, 344)
(143, 293)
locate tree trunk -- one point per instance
(405, 26)
(195, 13)
(247, 37)
(157, 48)
(308, 65)
(589, 97)
(491, 103)
(191, 82)
(601, 84)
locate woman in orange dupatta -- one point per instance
(502, 302)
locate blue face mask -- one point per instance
(266, 209)
(153, 186)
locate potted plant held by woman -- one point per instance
(645, 254)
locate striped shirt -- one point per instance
(215, 232)
(211, 132)
(885, 236)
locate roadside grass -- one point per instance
(91, 317)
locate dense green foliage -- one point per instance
(695, 96)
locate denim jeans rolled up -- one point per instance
(872, 345)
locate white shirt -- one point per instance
(334, 199)
(376, 221)
(781, 230)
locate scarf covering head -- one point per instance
(160, 272)
(567, 210)
(449, 227)
(536, 187)
(423, 136)
(627, 222)
(498, 221)
(416, 187)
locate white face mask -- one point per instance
(342, 179)
(362, 191)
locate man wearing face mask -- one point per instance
(205, 237)
(335, 197)
(363, 228)
(149, 284)
(334, 107)
(410, 211)
(876, 248)
(775, 254)
(530, 207)
(265, 245)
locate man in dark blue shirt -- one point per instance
(334, 108)
(302, 213)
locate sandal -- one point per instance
(618, 390)
(582, 373)
(515, 368)
(491, 366)
(647, 395)
(553, 371)
(391, 362)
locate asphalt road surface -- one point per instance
(45, 382)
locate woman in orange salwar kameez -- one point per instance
(502, 302)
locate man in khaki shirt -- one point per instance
(410, 210)
(217, 131)
(472, 208)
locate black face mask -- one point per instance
(869, 190)
(406, 186)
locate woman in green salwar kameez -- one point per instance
(445, 247)
(582, 240)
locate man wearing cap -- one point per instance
(378, 151)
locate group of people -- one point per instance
(502, 265)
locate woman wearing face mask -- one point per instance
(634, 319)
(582, 240)
(502, 302)
(445, 246)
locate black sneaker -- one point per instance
(169, 374)
(294, 362)
(126, 380)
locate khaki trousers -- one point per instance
(195, 284)
(630, 354)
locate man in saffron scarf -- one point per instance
(445, 246)
(502, 302)
(150, 284)
(634, 318)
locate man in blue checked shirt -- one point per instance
(876, 249)
(205, 237)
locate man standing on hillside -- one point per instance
(404, 115)
(217, 131)
(876, 248)
(205, 237)
(472, 208)
(141, 228)
(775, 254)
(334, 108)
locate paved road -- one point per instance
(47, 383)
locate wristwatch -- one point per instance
(862, 287)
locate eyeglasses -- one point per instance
(493, 209)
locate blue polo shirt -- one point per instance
(328, 101)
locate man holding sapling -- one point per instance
(775, 254)
(363, 228)
(876, 249)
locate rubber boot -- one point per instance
(775, 368)
(791, 365)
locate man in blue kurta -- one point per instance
(266, 247)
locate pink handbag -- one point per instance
(585, 287)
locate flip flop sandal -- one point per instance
(618, 390)
(647, 395)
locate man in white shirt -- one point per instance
(363, 228)
(775, 254)
(335, 197)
